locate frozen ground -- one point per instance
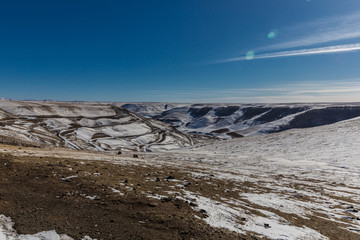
(84, 126)
(296, 184)
(295, 179)
(8, 233)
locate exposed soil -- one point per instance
(128, 198)
(38, 195)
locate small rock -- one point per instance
(202, 210)
(266, 225)
(352, 210)
(193, 204)
(151, 205)
(166, 199)
(169, 177)
(157, 179)
(204, 213)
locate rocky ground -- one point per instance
(63, 190)
(153, 196)
(297, 184)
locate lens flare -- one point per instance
(250, 55)
(273, 34)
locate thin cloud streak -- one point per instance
(300, 52)
(323, 30)
(324, 91)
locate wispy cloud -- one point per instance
(322, 91)
(300, 52)
(321, 31)
(324, 30)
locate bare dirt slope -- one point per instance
(100, 199)
(167, 196)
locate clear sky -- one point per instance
(181, 50)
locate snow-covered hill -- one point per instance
(154, 126)
(303, 182)
(4, 99)
(236, 120)
(89, 126)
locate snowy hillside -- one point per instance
(300, 182)
(153, 126)
(234, 120)
(89, 126)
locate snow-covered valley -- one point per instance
(227, 121)
(301, 183)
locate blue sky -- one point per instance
(181, 50)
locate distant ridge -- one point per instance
(237, 120)
(5, 99)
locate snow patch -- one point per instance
(7, 232)
(273, 226)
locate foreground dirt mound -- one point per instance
(193, 194)
(78, 197)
